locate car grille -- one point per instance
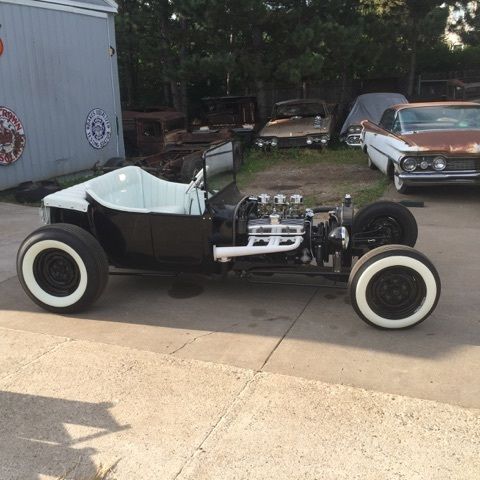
(290, 142)
(456, 164)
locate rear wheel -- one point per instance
(62, 268)
(394, 287)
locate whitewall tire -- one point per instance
(394, 287)
(400, 186)
(62, 268)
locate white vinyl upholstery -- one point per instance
(131, 189)
(134, 190)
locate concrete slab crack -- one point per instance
(34, 360)
(289, 329)
(186, 344)
(230, 408)
(7, 279)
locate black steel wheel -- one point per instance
(394, 287)
(62, 268)
(386, 223)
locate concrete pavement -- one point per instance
(305, 332)
(68, 406)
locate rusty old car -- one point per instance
(160, 142)
(420, 144)
(297, 123)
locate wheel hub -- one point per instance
(56, 272)
(396, 292)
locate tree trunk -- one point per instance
(413, 61)
(262, 101)
(304, 89)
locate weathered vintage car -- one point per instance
(369, 106)
(297, 123)
(426, 144)
(237, 114)
(159, 142)
(128, 221)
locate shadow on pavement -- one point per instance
(42, 436)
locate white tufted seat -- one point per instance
(131, 189)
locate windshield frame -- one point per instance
(206, 155)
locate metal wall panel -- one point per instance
(54, 70)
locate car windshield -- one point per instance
(300, 110)
(219, 168)
(438, 118)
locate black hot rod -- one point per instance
(129, 221)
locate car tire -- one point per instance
(397, 221)
(371, 165)
(62, 268)
(400, 187)
(394, 287)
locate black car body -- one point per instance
(128, 221)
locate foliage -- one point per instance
(170, 50)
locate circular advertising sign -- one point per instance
(12, 137)
(98, 128)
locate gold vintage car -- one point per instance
(297, 123)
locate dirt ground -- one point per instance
(319, 182)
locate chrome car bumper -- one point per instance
(354, 140)
(440, 178)
(319, 140)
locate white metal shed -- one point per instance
(60, 107)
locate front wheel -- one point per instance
(62, 268)
(400, 186)
(389, 221)
(394, 287)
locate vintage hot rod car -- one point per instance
(128, 221)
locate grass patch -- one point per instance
(364, 185)
(258, 161)
(372, 193)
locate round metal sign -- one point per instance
(98, 128)
(12, 137)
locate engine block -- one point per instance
(285, 227)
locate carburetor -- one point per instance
(280, 207)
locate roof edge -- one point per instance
(111, 6)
